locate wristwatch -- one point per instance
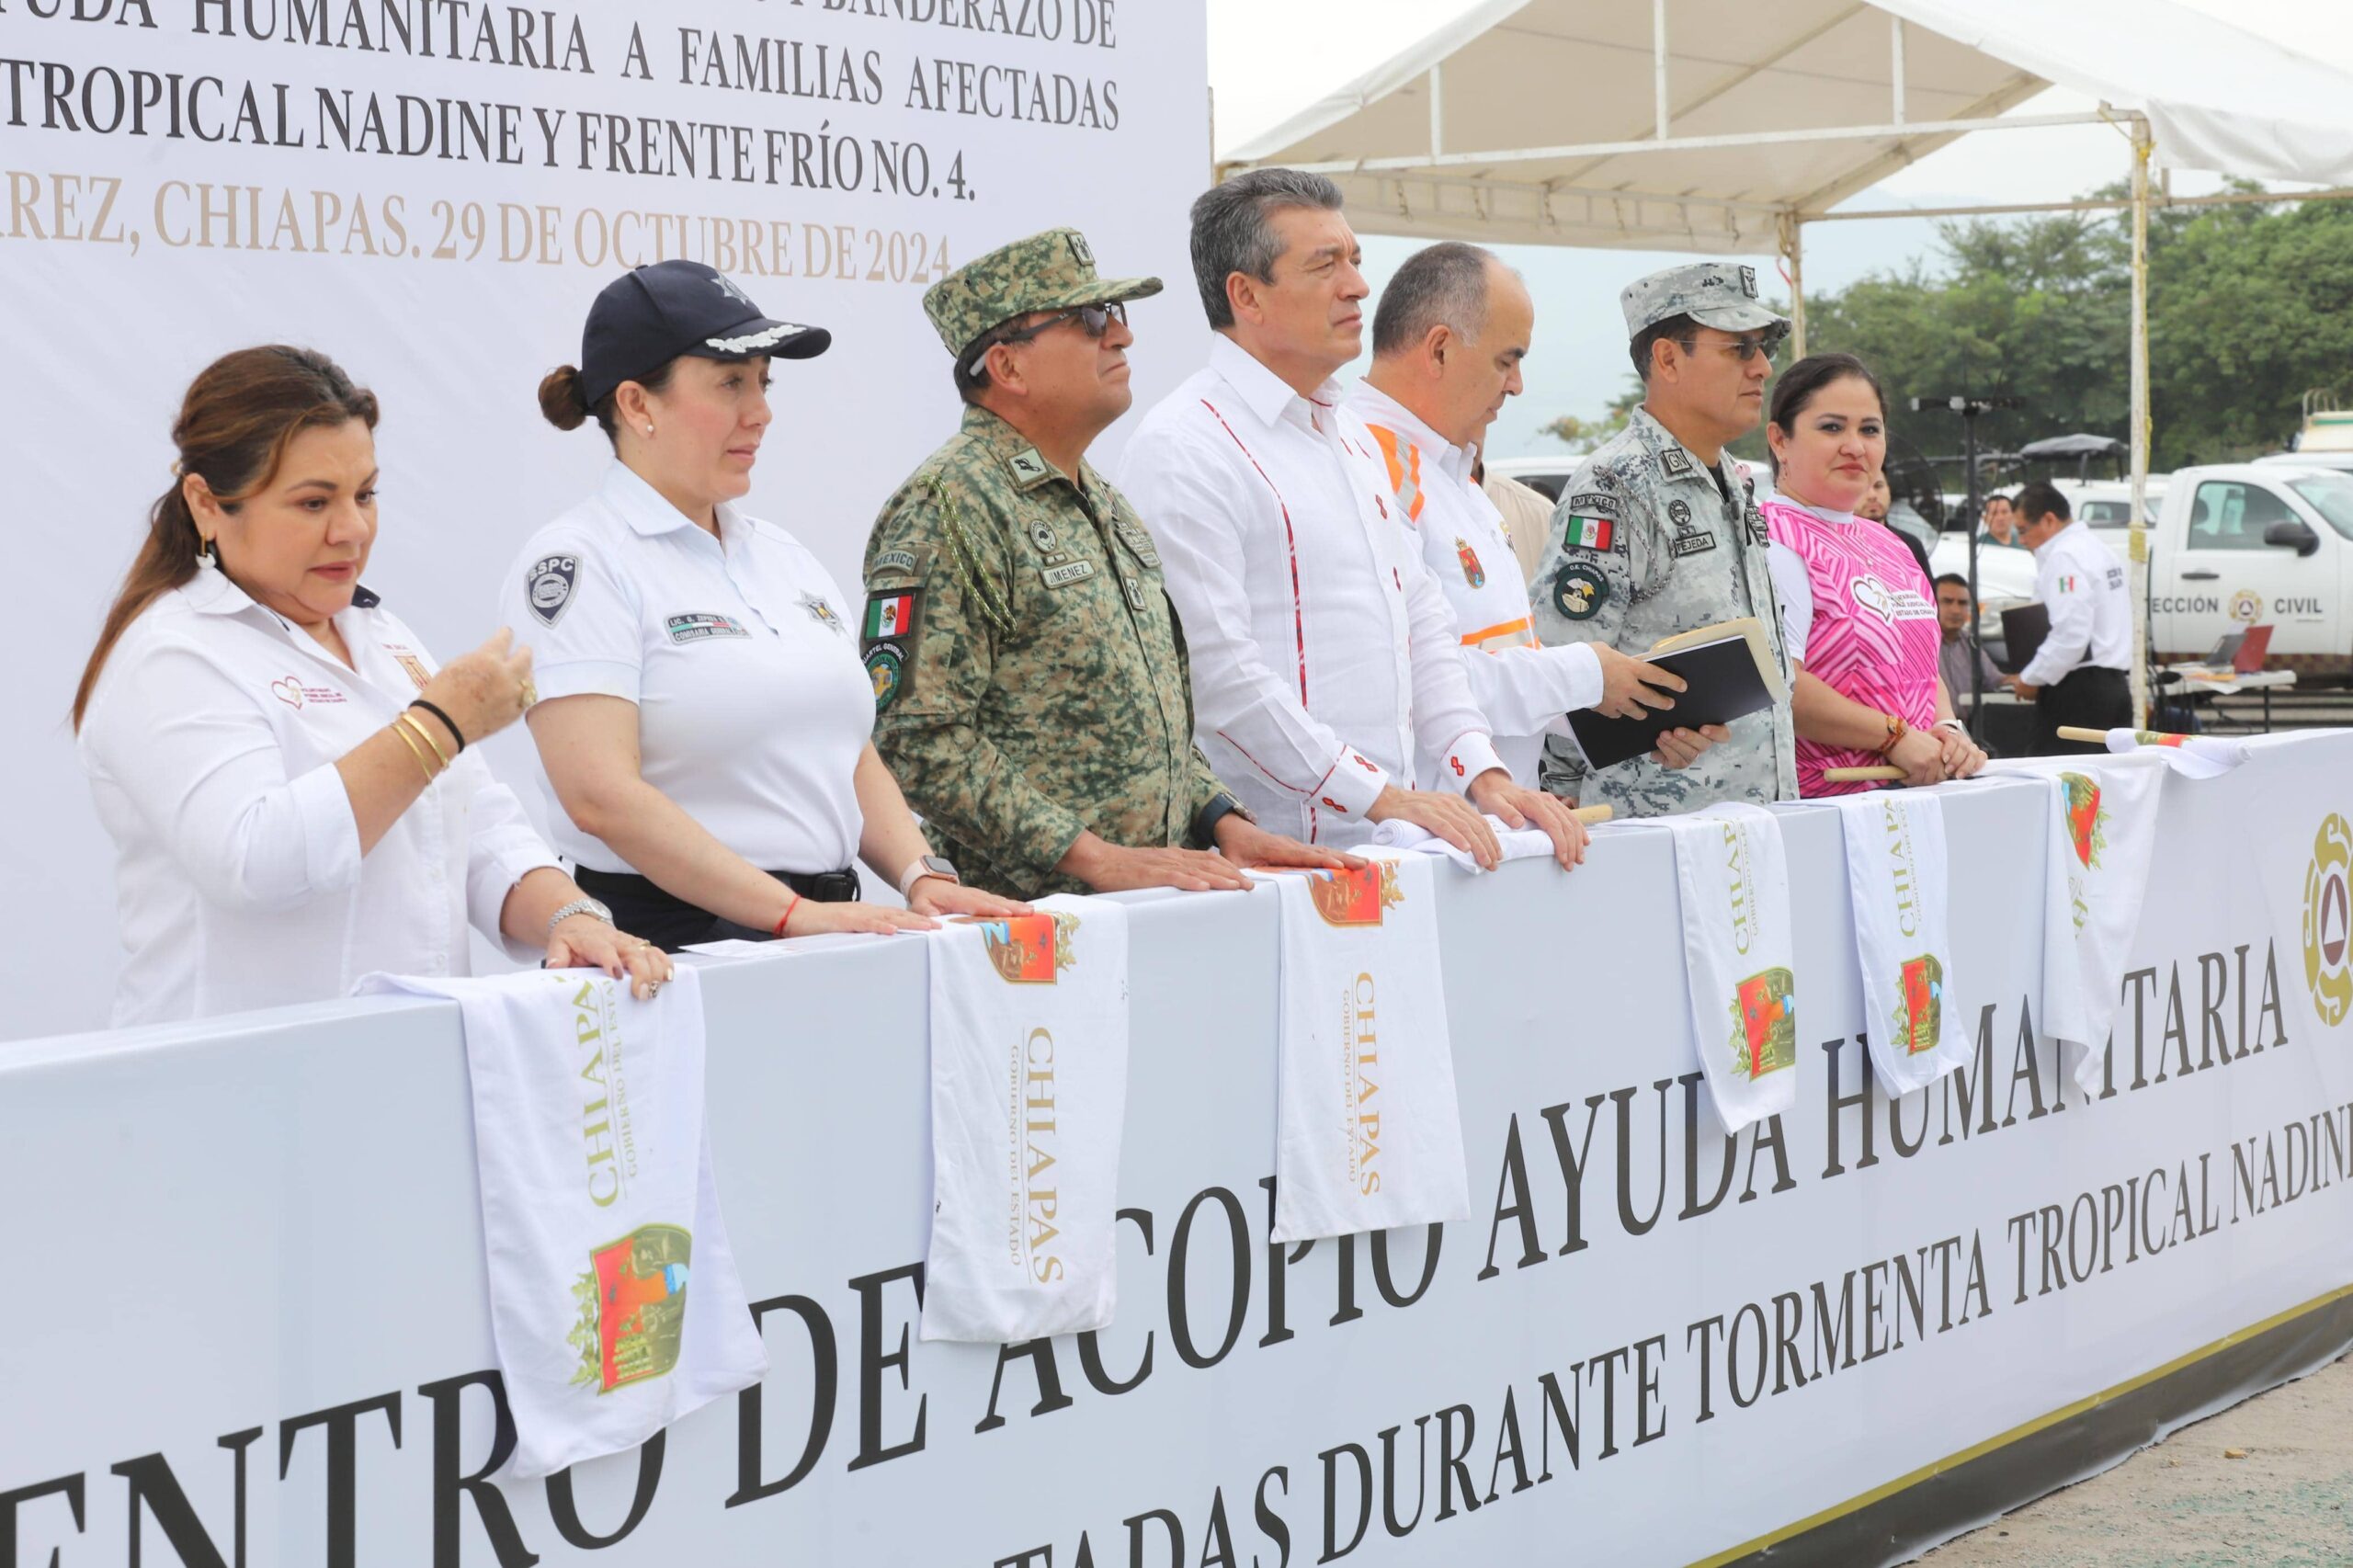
(927, 866)
(579, 906)
(1205, 821)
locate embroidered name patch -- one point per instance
(1692, 544)
(701, 628)
(1062, 576)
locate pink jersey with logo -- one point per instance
(1875, 636)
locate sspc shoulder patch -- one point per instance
(548, 584)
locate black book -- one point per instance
(2023, 629)
(1730, 673)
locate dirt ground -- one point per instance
(2285, 1502)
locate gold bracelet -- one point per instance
(422, 766)
(425, 735)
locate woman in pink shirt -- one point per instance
(1859, 616)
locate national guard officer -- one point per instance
(1655, 535)
(1029, 674)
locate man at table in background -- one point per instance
(1028, 675)
(1655, 535)
(1325, 661)
(2082, 674)
(1448, 340)
(1958, 654)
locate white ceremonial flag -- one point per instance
(1900, 886)
(1738, 959)
(1516, 843)
(1368, 1135)
(2192, 757)
(614, 1299)
(2102, 828)
(1028, 1091)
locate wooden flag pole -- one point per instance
(2077, 732)
(1592, 814)
(1872, 775)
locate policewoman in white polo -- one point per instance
(705, 723)
(283, 769)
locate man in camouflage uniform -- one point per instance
(1029, 676)
(1657, 534)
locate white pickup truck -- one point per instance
(2232, 545)
(2245, 544)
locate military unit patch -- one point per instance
(1579, 590)
(550, 583)
(1748, 281)
(1673, 463)
(1599, 501)
(1678, 513)
(1028, 467)
(886, 667)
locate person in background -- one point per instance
(1657, 534)
(1029, 674)
(280, 764)
(2082, 674)
(1527, 511)
(2001, 524)
(706, 725)
(1858, 614)
(1448, 340)
(1325, 659)
(1958, 654)
(1878, 504)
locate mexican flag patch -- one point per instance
(889, 615)
(1586, 533)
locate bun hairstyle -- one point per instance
(564, 400)
(236, 421)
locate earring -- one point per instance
(649, 429)
(205, 555)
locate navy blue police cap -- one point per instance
(649, 316)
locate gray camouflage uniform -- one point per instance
(1648, 541)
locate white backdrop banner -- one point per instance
(432, 191)
(249, 1302)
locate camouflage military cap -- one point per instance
(1052, 271)
(1714, 293)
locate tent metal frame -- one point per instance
(1790, 221)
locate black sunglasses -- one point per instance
(1093, 320)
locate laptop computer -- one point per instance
(2252, 651)
(2225, 650)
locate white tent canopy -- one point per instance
(1565, 122)
(1728, 125)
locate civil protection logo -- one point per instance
(2328, 921)
(633, 1306)
(1765, 1024)
(1360, 897)
(1919, 1015)
(1029, 950)
(2086, 820)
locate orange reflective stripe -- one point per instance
(1404, 469)
(1508, 635)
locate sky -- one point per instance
(1269, 57)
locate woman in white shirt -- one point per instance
(273, 751)
(706, 723)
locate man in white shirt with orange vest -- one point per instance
(1448, 340)
(1326, 660)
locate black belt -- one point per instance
(645, 910)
